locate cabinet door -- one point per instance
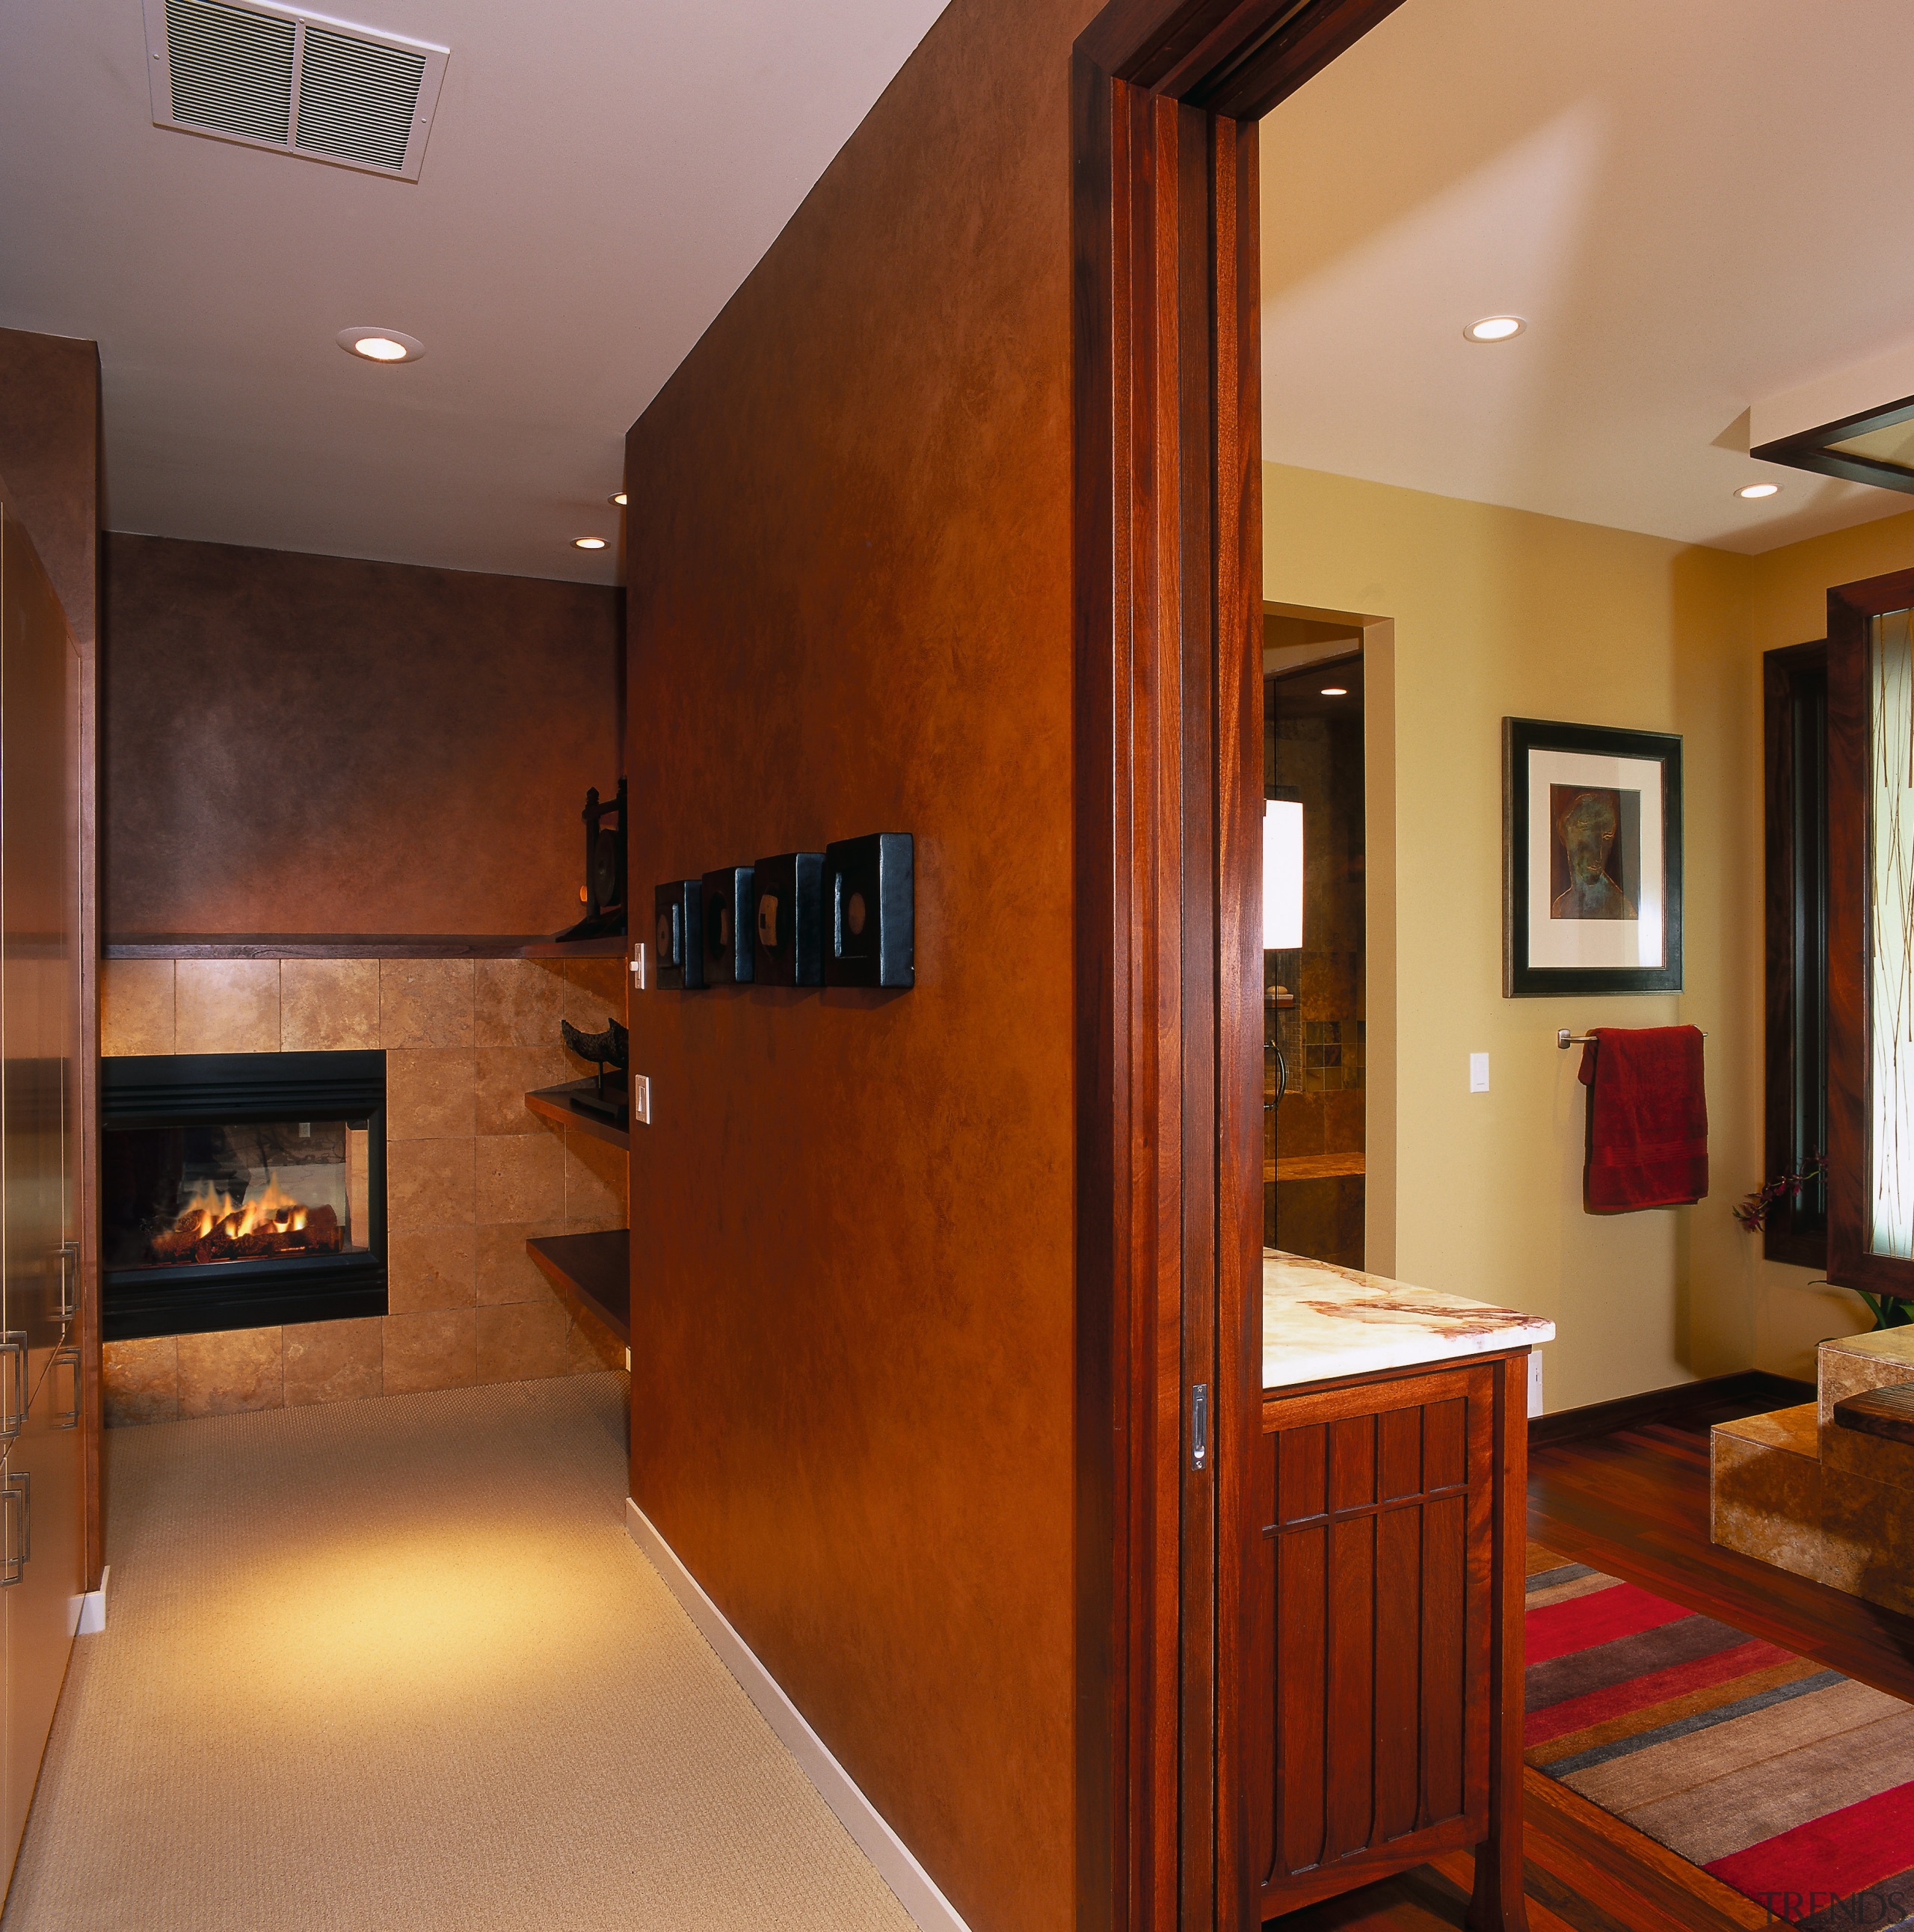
(46, 1556)
(38, 971)
(1370, 1698)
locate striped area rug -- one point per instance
(1792, 1783)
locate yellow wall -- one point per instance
(1502, 612)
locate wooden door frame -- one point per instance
(1851, 607)
(1167, 638)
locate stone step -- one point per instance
(1865, 1366)
(1775, 1496)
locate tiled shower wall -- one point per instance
(470, 1172)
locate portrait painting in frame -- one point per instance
(1591, 860)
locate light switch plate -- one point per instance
(1478, 1073)
(638, 968)
(641, 1099)
(1534, 1381)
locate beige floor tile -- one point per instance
(429, 1268)
(226, 1006)
(428, 1184)
(233, 1370)
(429, 1092)
(517, 1002)
(139, 1381)
(436, 1349)
(328, 1006)
(135, 1006)
(521, 1177)
(332, 1361)
(425, 1002)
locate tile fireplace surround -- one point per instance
(470, 1172)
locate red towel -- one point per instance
(1648, 1119)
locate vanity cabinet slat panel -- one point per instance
(1373, 1696)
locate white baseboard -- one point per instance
(916, 1891)
(93, 1607)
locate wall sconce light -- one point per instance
(1282, 875)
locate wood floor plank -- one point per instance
(1636, 1504)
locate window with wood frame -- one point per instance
(1870, 935)
(1794, 683)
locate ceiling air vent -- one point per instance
(273, 76)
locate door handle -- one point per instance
(13, 1389)
(68, 1418)
(69, 1253)
(15, 1490)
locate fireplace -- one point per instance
(240, 1190)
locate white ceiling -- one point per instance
(601, 176)
(1696, 205)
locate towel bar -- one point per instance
(1565, 1039)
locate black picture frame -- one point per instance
(1522, 977)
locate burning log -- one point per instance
(210, 1231)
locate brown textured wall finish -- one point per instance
(852, 1222)
(302, 744)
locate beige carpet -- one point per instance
(396, 1664)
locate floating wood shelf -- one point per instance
(356, 945)
(554, 1103)
(611, 948)
(595, 1270)
(321, 946)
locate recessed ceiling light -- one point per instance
(381, 345)
(1495, 329)
(1751, 490)
(588, 543)
(1335, 690)
(619, 499)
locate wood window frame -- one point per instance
(1167, 621)
(1794, 707)
(1850, 608)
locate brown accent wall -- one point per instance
(852, 1223)
(303, 744)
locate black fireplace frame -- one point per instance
(173, 1089)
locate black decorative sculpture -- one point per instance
(604, 870)
(609, 1052)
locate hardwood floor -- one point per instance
(1635, 1504)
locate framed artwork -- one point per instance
(1591, 860)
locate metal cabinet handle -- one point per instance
(68, 1418)
(13, 1389)
(69, 1253)
(16, 1488)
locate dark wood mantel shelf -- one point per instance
(594, 1269)
(553, 1103)
(355, 946)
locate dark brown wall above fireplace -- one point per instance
(302, 744)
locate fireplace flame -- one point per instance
(212, 1227)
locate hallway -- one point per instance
(395, 1662)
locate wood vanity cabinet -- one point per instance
(1386, 1679)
